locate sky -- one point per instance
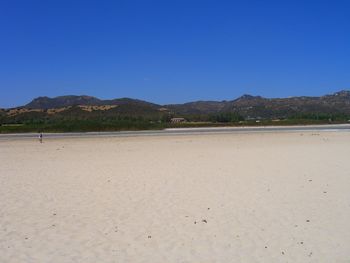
(172, 51)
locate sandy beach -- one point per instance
(259, 197)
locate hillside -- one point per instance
(75, 112)
(259, 107)
(72, 100)
(247, 106)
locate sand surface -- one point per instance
(265, 197)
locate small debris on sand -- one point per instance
(204, 221)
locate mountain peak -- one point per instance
(248, 97)
(61, 101)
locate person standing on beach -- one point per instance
(41, 137)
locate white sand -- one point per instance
(264, 198)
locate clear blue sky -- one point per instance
(172, 51)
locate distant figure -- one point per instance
(41, 137)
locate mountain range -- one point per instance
(247, 106)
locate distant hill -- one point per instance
(258, 107)
(72, 100)
(246, 106)
(198, 107)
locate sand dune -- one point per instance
(206, 198)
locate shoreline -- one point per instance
(184, 131)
